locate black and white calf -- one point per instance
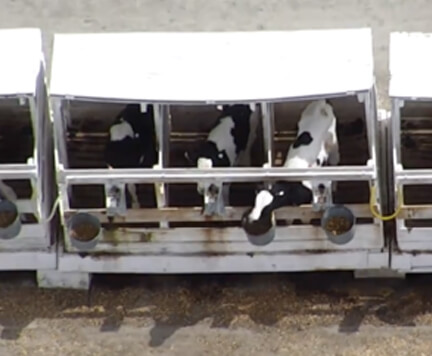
(132, 142)
(228, 144)
(316, 145)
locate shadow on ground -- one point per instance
(290, 301)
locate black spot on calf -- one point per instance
(303, 139)
(240, 114)
(138, 151)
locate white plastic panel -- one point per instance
(410, 65)
(212, 67)
(20, 60)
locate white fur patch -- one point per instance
(204, 163)
(263, 199)
(222, 137)
(319, 120)
(120, 131)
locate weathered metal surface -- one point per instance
(259, 262)
(232, 214)
(230, 240)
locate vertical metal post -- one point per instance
(61, 157)
(37, 196)
(396, 106)
(163, 131)
(60, 132)
(396, 156)
(268, 130)
(371, 116)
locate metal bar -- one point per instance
(416, 212)
(60, 132)
(396, 106)
(231, 213)
(206, 102)
(181, 175)
(267, 120)
(12, 174)
(36, 106)
(17, 167)
(163, 130)
(413, 176)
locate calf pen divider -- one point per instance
(28, 189)
(411, 166)
(91, 84)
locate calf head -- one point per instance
(280, 194)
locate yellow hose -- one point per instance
(377, 214)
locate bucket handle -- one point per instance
(376, 214)
(52, 212)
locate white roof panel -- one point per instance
(210, 66)
(20, 60)
(410, 65)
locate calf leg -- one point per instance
(132, 191)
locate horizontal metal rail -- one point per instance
(194, 213)
(279, 99)
(18, 171)
(423, 211)
(413, 176)
(188, 175)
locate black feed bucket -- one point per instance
(10, 223)
(84, 230)
(258, 236)
(338, 223)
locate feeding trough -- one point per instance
(169, 231)
(84, 230)
(409, 152)
(338, 223)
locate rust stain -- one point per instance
(211, 237)
(104, 256)
(145, 237)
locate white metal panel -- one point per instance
(187, 241)
(412, 263)
(223, 264)
(210, 66)
(20, 60)
(410, 65)
(27, 260)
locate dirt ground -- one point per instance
(313, 314)
(296, 314)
